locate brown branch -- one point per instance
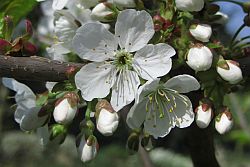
(35, 68)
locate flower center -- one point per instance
(161, 103)
(123, 60)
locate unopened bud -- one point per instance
(199, 58)
(103, 12)
(107, 119)
(224, 121)
(133, 143)
(65, 108)
(204, 114)
(232, 74)
(201, 32)
(87, 148)
(189, 5)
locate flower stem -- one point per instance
(88, 111)
(237, 33)
(242, 39)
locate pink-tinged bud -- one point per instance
(103, 12)
(71, 71)
(107, 119)
(199, 58)
(201, 32)
(29, 48)
(29, 29)
(5, 46)
(204, 114)
(65, 108)
(224, 122)
(87, 149)
(233, 74)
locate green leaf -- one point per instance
(17, 8)
(41, 99)
(213, 45)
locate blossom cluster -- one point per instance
(131, 58)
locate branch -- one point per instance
(35, 68)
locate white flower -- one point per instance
(233, 75)
(101, 12)
(26, 113)
(189, 5)
(59, 4)
(199, 58)
(65, 109)
(204, 115)
(161, 107)
(224, 122)
(87, 149)
(201, 32)
(107, 119)
(119, 67)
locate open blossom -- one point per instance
(26, 113)
(189, 5)
(115, 64)
(161, 107)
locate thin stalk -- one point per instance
(242, 39)
(237, 33)
(88, 111)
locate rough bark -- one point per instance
(35, 68)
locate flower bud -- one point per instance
(224, 121)
(87, 149)
(232, 74)
(189, 5)
(103, 12)
(201, 32)
(65, 108)
(146, 142)
(204, 114)
(133, 143)
(199, 58)
(107, 119)
(58, 134)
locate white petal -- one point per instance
(137, 114)
(59, 4)
(184, 115)
(30, 120)
(146, 88)
(183, 83)
(20, 111)
(95, 80)
(43, 134)
(94, 42)
(24, 95)
(153, 61)
(134, 29)
(124, 90)
(58, 52)
(156, 126)
(50, 85)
